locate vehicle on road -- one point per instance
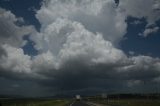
(78, 97)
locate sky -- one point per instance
(51, 47)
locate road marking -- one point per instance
(90, 104)
(94, 104)
(72, 103)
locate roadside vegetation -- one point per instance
(128, 102)
(34, 102)
(126, 99)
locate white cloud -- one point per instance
(142, 68)
(80, 48)
(84, 34)
(148, 9)
(67, 39)
(12, 58)
(10, 32)
(15, 60)
(97, 16)
(141, 9)
(44, 61)
(89, 47)
(149, 31)
(58, 8)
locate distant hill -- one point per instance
(2, 96)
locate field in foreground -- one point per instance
(129, 102)
(34, 102)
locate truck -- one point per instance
(78, 97)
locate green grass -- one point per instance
(130, 102)
(35, 102)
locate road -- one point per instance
(79, 103)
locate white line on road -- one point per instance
(90, 104)
(94, 104)
(72, 103)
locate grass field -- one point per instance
(130, 102)
(34, 102)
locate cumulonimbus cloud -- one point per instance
(78, 45)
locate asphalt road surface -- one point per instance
(79, 103)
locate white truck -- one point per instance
(78, 97)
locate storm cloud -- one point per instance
(78, 47)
